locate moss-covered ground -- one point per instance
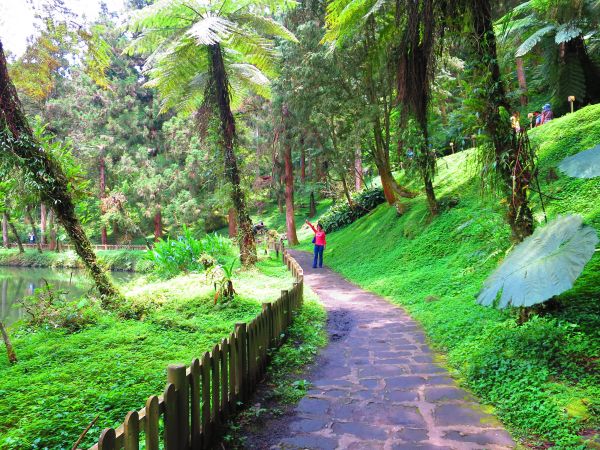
(64, 379)
(543, 378)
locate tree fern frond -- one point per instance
(533, 40)
(584, 164)
(211, 30)
(545, 264)
(264, 26)
(566, 32)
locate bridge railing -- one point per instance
(94, 246)
(199, 398)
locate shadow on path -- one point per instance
(375, 385)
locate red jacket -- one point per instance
(319, 235)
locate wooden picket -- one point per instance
(198, 399)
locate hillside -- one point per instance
(543, 378)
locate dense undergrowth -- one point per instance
(124, 260)
(543, 378)
(110, 367)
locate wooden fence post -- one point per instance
(242, 354)
(131, 428)
(170, 418)
(176, 375)
(108, 440)
(268, 310)
(152, 418)
(194, 382)
(206, 425)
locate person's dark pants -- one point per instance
(318, 256)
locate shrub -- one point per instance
(342, 214)
(187, 254)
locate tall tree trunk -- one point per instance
(52, 227)
(33, 230)
(519, 214)
(14, 232)
(290, 220)
(158, 231)
(312, 212)
(12, 357)
(102, 164)
(522, 81)
(346, 190)
(43, 219)
(5, 239)
(232, 220)
(358, 169)
(18, 137)
(302, 162)
(247, 244)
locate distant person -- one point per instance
(537, 117)
(258, 227)
(320, 243)
(515, 121)
(31, 238)
(547, 114)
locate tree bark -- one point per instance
(358, 169)
(522, 81)
(33, 230)
(54, 186)
(103, 233)
(232, 220)
(43, 219)
(12, 357)
(247, 243)
(302, 161)
(14, 232)
(313, 205)
(5, 239)
(290, 220)
(158, 231)
(519, 214)
(52, 227)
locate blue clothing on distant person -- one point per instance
(318, 256)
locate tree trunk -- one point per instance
(313, 205)
(14, 232)
(522, 81)
(54, 186)
(32, 223)
(103, 233)
(52, 227)
(5, 239)
(358, 170)
(12, 357)
(158, 231)
(43, 218)
(290, 220)
(519, 214)
(302, 161)
(346, 190)
(232, 220)
(432, 202)
(247, 244)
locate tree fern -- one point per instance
(545, 264)
(533, 40)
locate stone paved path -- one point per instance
(375, 385)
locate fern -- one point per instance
(545, 264)
(567, 32)
(533, 40)
(585, 164)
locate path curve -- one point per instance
(375, 385)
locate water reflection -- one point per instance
(17, 282)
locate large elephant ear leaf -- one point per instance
(585, 164)
(545, 264)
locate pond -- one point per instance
(19, 282)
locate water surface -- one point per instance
(19, 282)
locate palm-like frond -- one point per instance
(346, 17)
(211, 30)
(264, 26)
(533, 40)
(584, 164)
(566, 32)
(545, 264)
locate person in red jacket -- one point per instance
(320, 243)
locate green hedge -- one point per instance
(342, 214)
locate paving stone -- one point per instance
(437, 394)
(367, 445)
(419, 447)
(360, 430)
(404, 382)
(308, 425)
(490, 437)
(311, 442)
(460, 414)
(370, 383)
(412, 434)
(313, 406)
(401, 396)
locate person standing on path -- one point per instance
(320, 243)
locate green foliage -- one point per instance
(342, 214)
(582, 165)
(187, 254)
(545, 264)
(50, 308)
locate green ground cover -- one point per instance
(64, 379)
(126, 260)
(543, 378)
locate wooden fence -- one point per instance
(198, 399)
(65, 247)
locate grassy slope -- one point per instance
(63, 380)
(544, 377)
(129, 260)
